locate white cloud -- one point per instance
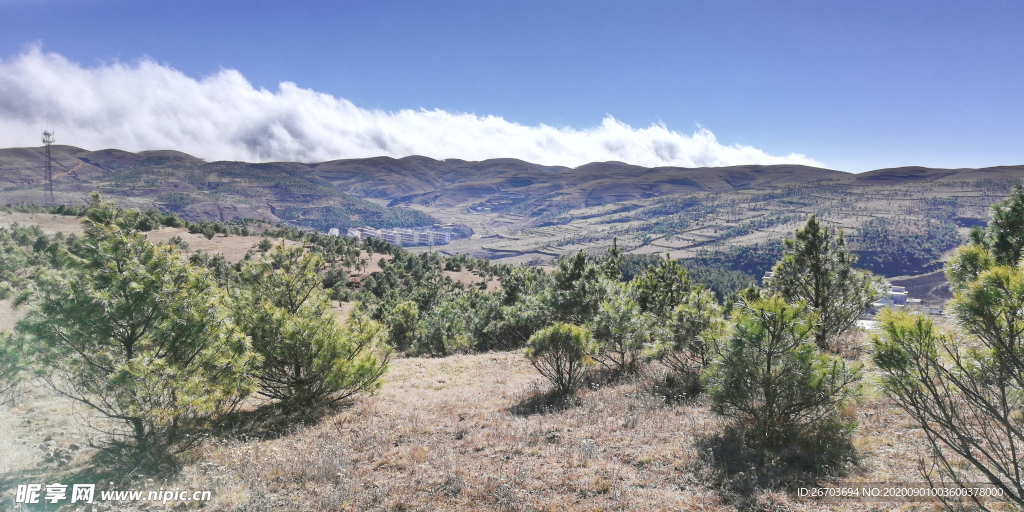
(147, 105)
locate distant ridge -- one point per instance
(196, 188)
(520, 212)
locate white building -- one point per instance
(441, 237)
(897, 298)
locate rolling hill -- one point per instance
(521, 212)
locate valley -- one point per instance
(520, 212)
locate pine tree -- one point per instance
(561, 353)
(697, 329)
(1005, 234)
(576, 290)
(772, 378)
(138, 334)
(965, 386)
(308, 355)
(817, 268)
(623, 332)
(661, 288)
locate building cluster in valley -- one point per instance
(897, 298)
(405, 237)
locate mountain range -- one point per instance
(519, 211)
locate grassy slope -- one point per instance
(523, 212)
(469, 433)
(195, 189)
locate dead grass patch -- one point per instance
(48, 222)
(232, 247)
(480, 432)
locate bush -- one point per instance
(772, 378)
(442, 331)
(696, 330)
(403, 320)
(1005, 233)
(138, 334)
(817, 268)
(512, 325)
(15, 261)
(966, 393)
(622, 331)
(307, 355)
(661, 288)
(576, 290)
(561, 353)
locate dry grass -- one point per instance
(49, 223)
(473, 433)
(470, 278)
(479, 432)
(8, 316)
(447, 433)
(232, 247)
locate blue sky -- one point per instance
(851, 85)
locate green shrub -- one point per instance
(562, 353)
(966, 392)
(15, 262)
(514, 324)
(442, 331)
(403, 320)
(138, 334)
(661, 288)
(308, 356)
(1005, 233)
(622, 331)
(696, 331)
(774, 381)
(576, 289)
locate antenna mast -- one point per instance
(48, 191)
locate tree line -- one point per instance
(155, 340)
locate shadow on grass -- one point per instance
(115, 466)
(125, 466)
(740, 468)
(675, 388)
(544, 402)
(598, 378)
(273, 420)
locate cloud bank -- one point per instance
(146, 105)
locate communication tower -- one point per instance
(48, 192)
